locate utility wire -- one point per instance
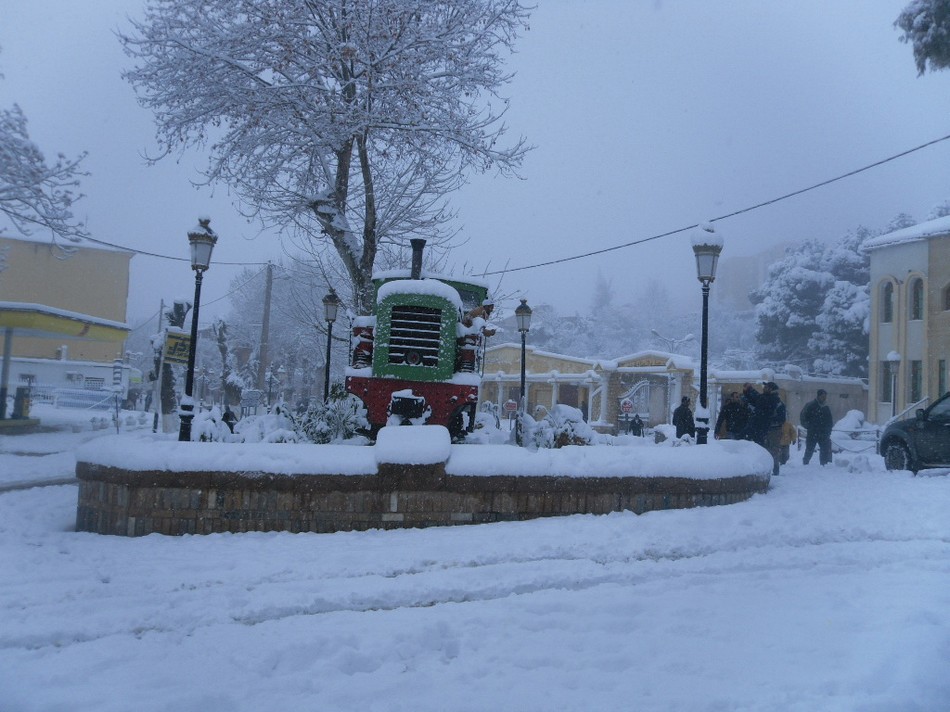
(238, 288)
(167, 257)
(723, 217)
(147, 321)
(606, 249)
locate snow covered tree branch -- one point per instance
(322, 113)
(34, 194)
(926, 26)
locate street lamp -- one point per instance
(202, 240)
(894, 359)
(331, 303)
(281, 382)
(523, 317)
(673, 344)
(707, 244)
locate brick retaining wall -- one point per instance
(135, 503)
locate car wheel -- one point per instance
(897, 457)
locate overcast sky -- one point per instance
(647, 116)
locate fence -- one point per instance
(83, 398)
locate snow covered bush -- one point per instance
(208, 426)
(341, 418)
(665, 433)
(276, 427)
(563, 425)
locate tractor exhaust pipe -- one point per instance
(417, 244)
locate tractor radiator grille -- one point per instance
(415, 336)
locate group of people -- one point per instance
(760, 416)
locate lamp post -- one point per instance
(707, 244)
(331, 303)
(523, 317)
(894, 359)
(281, 382)
(673, 344)
(202, 240)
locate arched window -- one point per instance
(887, 303)
(916, 300)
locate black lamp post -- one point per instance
(523, 317)
(331, 303)
(202, 240)
(707, 244)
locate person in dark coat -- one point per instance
(816, 419)
(636, 426)
(683, 420)
(229, 418)
(768, 417)
(732, 418)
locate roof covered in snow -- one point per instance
(922, 231)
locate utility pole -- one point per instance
(157, 390)
(265, 328)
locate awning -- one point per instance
(42, 321)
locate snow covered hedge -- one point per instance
(339, 420)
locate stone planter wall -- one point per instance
(136, 503)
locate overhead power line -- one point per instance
(614, 248)
(722, 217)
(167, 257)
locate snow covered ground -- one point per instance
(831, 592)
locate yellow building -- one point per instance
(647, 383)
(650, 380)
(62, 313)
(910, 317)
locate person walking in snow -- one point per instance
(683, 420)
(636, 426)
(816, 419)
(789, 438)
(732, 418)
(768, 417)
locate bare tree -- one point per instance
(320, 113)
(33, 193)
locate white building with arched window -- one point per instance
(910, 317)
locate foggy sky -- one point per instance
(646, 116)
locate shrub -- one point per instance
(208, 426)
(562, 425)
(343, 417)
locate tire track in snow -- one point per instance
(491, 581)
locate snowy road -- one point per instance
(831, 592)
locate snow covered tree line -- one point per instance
(35, 194)
(813, 308)
(345, 123)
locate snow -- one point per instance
(54, 311)
(413, 446)
(706, 236)
(921, 231)
(429, 287)
(636, 457)
(406, 274)
(830, 592)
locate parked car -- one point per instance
(919, 443)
